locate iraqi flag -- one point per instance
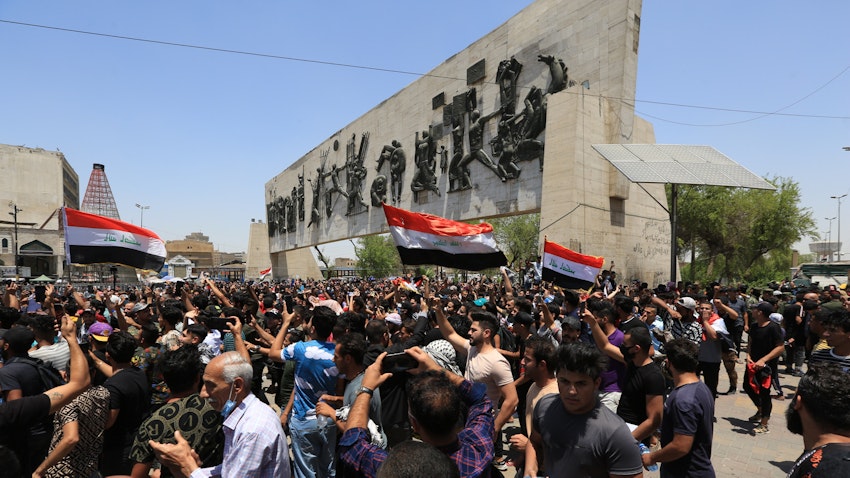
(93, 239)
(569, 269)
(428, 239)
(265, 272)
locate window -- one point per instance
(4, 246)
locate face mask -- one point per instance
(626, 351)
(229, 405)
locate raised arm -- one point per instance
(459, 343)
(238, 343)
(601, 339)
(275, 352)
(218, 293)
(79, 370)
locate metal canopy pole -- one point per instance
(674, 205)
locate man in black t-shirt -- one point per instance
(129, 401)
(21, 413)
(642, 400)
(820, 412)
(20, 378)
(764, 346)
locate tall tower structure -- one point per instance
(98, 198)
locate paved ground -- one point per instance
(736, 452)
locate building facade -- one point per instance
(34, 185)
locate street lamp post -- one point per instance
(829, 236)
(839, 198)
(14, 214)
(142, 214)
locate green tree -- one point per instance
(517, 237)
(741, 234)
(377, 256)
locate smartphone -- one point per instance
(287, 299)
(398, 362)
(220, 323)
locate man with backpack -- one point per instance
(21, 377)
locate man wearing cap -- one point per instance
(19, 379)
(685, 325)
(764, 346)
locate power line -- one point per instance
(760, 114)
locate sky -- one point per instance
(195, 133)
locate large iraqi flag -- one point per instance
(428, 239)
(93, 239)
(569, 269)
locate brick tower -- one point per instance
(98, 198)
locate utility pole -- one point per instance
(14, 214)
(839, 198)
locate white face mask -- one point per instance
(229, 405)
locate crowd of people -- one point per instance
(410, 377)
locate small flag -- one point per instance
(265, 272)
(93, 239)
(569, 269)
(428, 239)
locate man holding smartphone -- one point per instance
(484, 364)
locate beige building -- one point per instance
(38, 183)
(196, 248)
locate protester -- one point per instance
(686, 427)
(26, 411)
(576, 434)
(254, 443)
(764, 346)
(436, 399)
(820, 412)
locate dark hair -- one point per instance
(825, 389)
(543, 350)
(640, 336)
(604, 309)
(375, 331)
(353, 344)
(683, 355)
(434, 403)
(791, 312)
(42, 325)
(461, 324)
(486, 321)
(323, 321)
(840, 318)
(180, 368)
(412, 459)
(121, 346)
(408, 324)
(297, 334)
(149, 333)
(19, 338)
(8, 316)
(582, 358)
(172, 315)
(198, 331)
(571, 298)
(234, 312)
(624, 303)
(523, 305)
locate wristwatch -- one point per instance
(365, 390)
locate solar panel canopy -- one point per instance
(679, 164)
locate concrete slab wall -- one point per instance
(598, 43)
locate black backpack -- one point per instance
(50, 377)
(507, 339)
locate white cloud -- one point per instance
(318, 353)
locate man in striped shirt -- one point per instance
(836, 331)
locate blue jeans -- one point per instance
(313, 448)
